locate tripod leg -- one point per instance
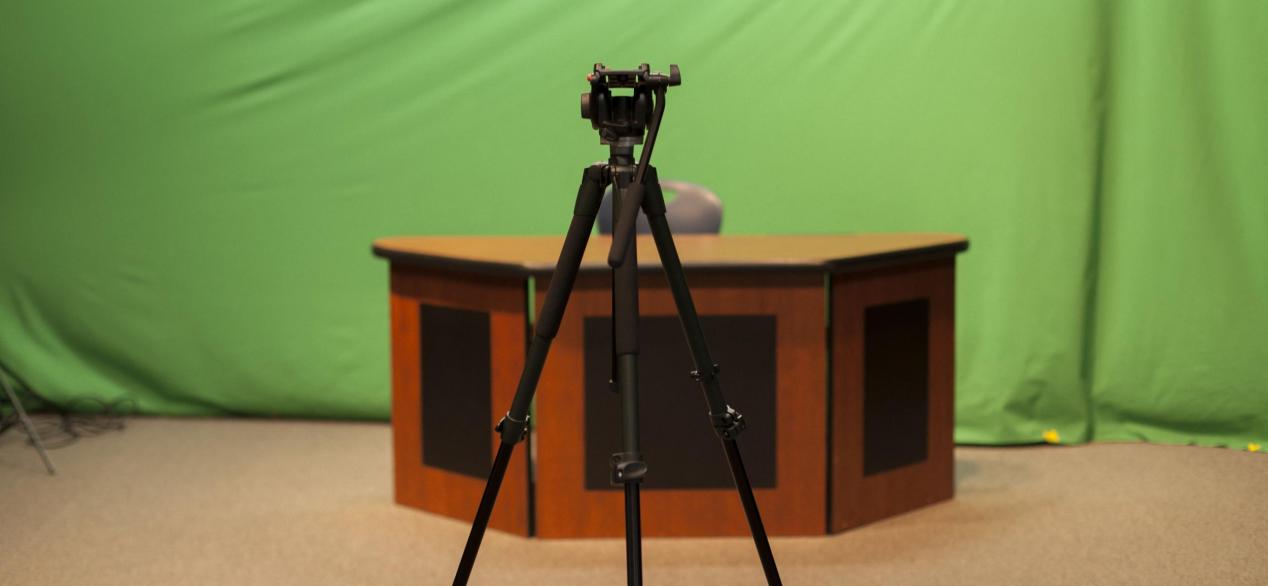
(514, 427)
(727, 422)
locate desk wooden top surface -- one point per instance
(536, 255)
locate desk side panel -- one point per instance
(422, 484)
(874, 315)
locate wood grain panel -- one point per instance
(433, 489)
(525, 255)
(858, 499)
(797, 503)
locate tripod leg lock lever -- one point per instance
(512, 430)
(728, 425)
(628, 467)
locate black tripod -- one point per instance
(621, 121)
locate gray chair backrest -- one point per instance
(695, 210)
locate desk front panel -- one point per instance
(767, 332)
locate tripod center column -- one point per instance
(625, 325)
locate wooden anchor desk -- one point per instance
(839, 350)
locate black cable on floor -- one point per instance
(60, 425)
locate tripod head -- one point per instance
(622, 120)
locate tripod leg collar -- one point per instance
(628, 467)
(512, 430)
(706, 376)
(728, 425)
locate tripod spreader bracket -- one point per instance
(513, 431)
(628, 467)
(728, 425)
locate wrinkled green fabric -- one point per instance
(188, 190)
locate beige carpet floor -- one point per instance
(243, 502)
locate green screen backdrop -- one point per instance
(188, 191)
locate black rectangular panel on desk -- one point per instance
(677, 438)
(456, 383)
(895, 385)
